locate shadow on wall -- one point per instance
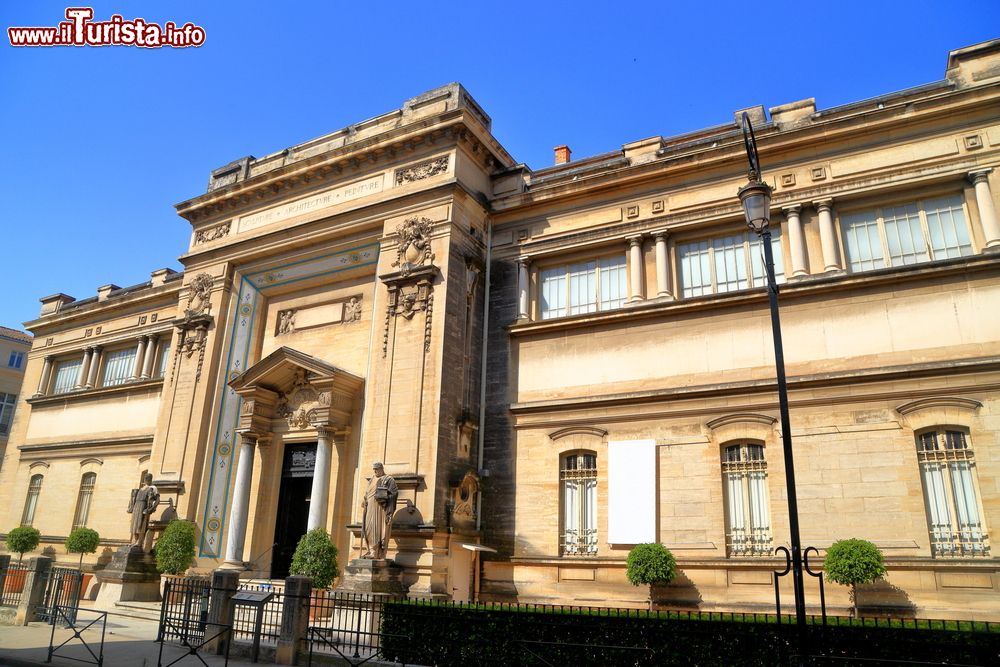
(681, 592)
(883, 599)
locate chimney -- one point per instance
(562, 154)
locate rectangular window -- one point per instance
(16, 359)
(161, 367)
(66, 375)
(118, 367)
(727, 264)
(83, 499)
(748, 530)
(578, 478)
(7, 403)
(585, 287)
(31, 502)
(948, 470)
(906, 234)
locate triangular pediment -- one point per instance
(282, 368)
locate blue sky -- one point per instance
(100, 143)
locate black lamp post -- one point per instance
(756, 199)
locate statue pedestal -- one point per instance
(365, 575)
(131, 575)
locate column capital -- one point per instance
(792, 209)
(97, 348)
(247, 437)
(324, 430)
(524, 260)
(979, 176)
(661, 236)
(635, 240)
(823, 204)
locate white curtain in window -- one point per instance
(571, 514)
(757, 259)
(730, 263)
(903, 234)
(583, 288)
(589, 523)
(67, 373)
(759, 519)
(696, 273)
(164, 359)
(937, 503)
(946, 224)
(553, 292)
(613, 285)
(734, 494)
(118, 366)
(965, 502)
(861, 241)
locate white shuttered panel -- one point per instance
(632, 492)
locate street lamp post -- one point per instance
(755, 197)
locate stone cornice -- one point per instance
(99, 392)
(99, 311)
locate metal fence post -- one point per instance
(225, 583)
(294, 619)
(34, 589)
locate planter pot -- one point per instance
(319, 604)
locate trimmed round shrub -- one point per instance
(316, 557)
(650, 564)
(175, 548)
(22, 540)
(852, 562)
(82, 541)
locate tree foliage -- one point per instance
(316, 557)
(852, 562)
(22, 540)
(650, 564)
(175, 548)
(82, 541)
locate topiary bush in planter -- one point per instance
(82, 541)
(316, 557)
(852, 562)
(651, 565)
(175, 548)
(22, 540)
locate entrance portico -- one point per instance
(291, 396)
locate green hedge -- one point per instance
(444, 634)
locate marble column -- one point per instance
(139, 354)
(240, 508)
(796, 240)
(522, 287)
(81, 379)
(662, 267)
(95, 365)
(828, 235)
(987, 212)
(319, 498)
(635, 268)
(43, 381)
(150, 355)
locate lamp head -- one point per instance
(756, 199)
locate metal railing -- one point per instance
(12, 584)
(245, 617)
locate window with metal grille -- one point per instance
(951, 490)
(584, 287)
(578, 485)
(7, 403)
(727, 264)
(118, 366)
(83, 499)
(748, 518)
(31, 502)
(906, 234)
(66, 375)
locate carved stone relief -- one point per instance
(419, 172)
(464, 498)
(212, 233)
(286, 322)
(414, 248)
(352, 310)
(199, 297)
(298, 405)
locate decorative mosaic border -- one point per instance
(251, 288)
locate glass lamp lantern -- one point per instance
(756, 199)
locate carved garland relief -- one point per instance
(412, 289)
(419, 172)
(212, 233)
(298, 405)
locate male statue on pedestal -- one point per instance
(144, 501)
(378, 506)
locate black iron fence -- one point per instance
(62, 589)
(12, 584)
(245, 617)
(184, 610)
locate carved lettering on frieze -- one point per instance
(419, 172)
(212, 233)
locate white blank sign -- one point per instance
(632, 492)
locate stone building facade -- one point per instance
(558, 364)
(14, 347)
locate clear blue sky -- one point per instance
(100, 143)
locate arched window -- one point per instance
(83, 499)
(748, 517)
(578, 486)
(31, 502)
(951, 489)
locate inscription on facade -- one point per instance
(344, 193)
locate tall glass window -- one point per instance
(748, 518)
(727, 264)
(951, 491)
(66, 375)
(906, 234)
(118, 366)
(578, 482)
(83, 499)
(31, 502)
(584, 287)
(161, 366)
(7, 403)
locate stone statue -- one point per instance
(144, 501)
(378, 507)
